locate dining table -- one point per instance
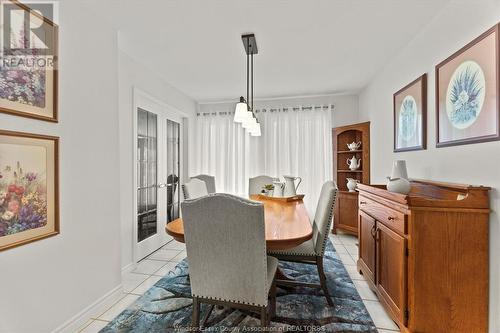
(287, 223)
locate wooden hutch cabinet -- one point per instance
(425, 254)
(346, 207)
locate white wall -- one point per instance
(45, 283)
(132, 73)
(473, 164)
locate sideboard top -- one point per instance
(425, 193)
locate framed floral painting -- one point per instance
(467, 87)
(29, 208)
(29, 61)
(410, 116)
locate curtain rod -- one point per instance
(298, 108)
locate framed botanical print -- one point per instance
(29, 202)
(410, 116)
(29, 64)
(467, 88)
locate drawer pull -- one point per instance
(391, 218)
(362, 202)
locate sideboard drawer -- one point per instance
(388, 216)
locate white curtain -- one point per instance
(295, 141)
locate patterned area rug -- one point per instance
(166, 307)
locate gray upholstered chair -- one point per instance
(226, 253)
(312, 251)
(209, 181)
(256, 184)
(194, 188)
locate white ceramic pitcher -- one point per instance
(278, 188)
(290, 187)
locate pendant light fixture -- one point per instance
(244, 109)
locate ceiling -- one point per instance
(305, 46)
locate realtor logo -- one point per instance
(29, 35)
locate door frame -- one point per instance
(143, 100)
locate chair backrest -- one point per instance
(324, 216)
(209, 181)
(256, 184)
(194, 188)
(226, 248)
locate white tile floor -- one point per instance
(158, 264)
(347, 249)
(137, 282)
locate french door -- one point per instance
(158, 165)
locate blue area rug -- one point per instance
(167, 306)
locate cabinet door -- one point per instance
(348, 211)
(366, 236)
(391, 270)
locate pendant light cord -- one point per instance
(248, 73)
(252, 82)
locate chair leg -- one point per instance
(322, 279)
(196, 315)
(273, 301)
(263, 319)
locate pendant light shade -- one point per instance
(240, 114)
(249, 122)
(255, 130)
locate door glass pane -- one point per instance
(173, 173)
(146, 174)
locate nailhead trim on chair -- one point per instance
(227, 300)
(293, 253)
(323, 246)
(246, 202)
(226, 195)
(330, 220)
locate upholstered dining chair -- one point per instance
(227, 261)
(209, 181)
(194, 188)
(256, 184)
(313, 250)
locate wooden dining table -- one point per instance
(287, 223)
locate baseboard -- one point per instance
(129, 268)
(91, 311)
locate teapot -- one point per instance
(351, 184)
(290, 187)
(353, 163)
(354, 145)
(278, 188)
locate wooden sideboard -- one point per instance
(425, 254)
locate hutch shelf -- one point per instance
(346, 208)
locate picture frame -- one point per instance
(30, 80)
(410, 116)
(467, 93)
(29, 188)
